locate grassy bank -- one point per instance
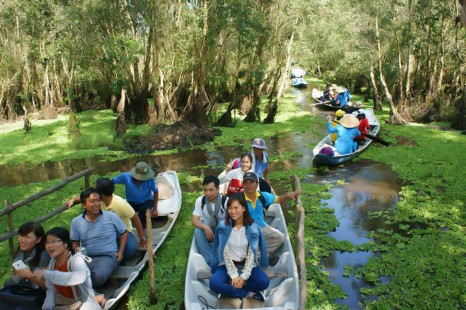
(422, 255)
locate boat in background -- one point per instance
(282, 293)
(297, 73)
(299, 82)
(327, 160)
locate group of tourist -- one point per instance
(66, 268)
(231, 233)
(70, 265)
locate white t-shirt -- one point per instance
(204, 213)
(233, 174)
(238, 244)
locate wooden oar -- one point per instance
(150, 255)
(373, 138)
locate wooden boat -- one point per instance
(282, 293)
(327, 160)
(116, 287)
(168, 207)
(325, 105)
(299, 82)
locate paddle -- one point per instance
(373, 138)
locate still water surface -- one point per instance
(368, 186)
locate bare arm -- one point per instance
(138, 225)
(123, 239)
(73, 201)
(284, 198)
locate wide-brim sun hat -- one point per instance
(358, 104)
(349, 121)
(259, 143)
(142, 171)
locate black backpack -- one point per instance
(224, 198)
(261, 198)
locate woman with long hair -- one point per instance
(67, 278)
(235, 263)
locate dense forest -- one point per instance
(186, 57)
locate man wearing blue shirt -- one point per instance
(97, 231)
(141, 190)
(273, 237)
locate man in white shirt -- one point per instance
(209, 210)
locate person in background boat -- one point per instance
(346, 131)
(236, 265)
(141, 190)
(326, 93)
(31, 251)
(363, 126)
(260, 163)
(114, 203)
(258, 202)
(234, 177)
(97, 231)
(340, 97)
(209, 210)
(67, 278)
(338, 115)
(358, 105)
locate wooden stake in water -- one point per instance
(150, 245)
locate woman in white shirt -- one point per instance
(235, 176)
(235, 264)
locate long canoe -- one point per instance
(325, 105)
(168, 208)
(282, 293)
(298, 82)
(336, 160)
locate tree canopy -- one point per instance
(189, 56)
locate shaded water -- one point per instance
(368, 186)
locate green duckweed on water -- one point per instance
(420, 253)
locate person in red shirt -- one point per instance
(363, 126)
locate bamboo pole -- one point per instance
(46, 192)
(11, 228)
(150, 245)
(300, 254)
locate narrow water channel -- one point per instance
(367, 186)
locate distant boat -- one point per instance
(297, 73)
(327, 160)
(317, 95)
(298, 83)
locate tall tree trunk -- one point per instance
(377, 97)
(394, 116)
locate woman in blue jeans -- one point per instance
(235, 265)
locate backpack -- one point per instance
(234, 186)
(224, 198)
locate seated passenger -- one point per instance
(340, 97)
(346, 131)
(363, 126)
(260, 163)
(235, 176)
(339, 114)
(259, 201)
(31, 252)
(209, 210)
(68, 278)
(236, 265)
(114, 203)
(97, 231)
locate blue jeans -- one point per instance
(220, 283)
(141, 208)
(102, 267)
(130, 247)
(203, 245)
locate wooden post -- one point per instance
(87, 183)
(150, 256)
(11, 229)
(300, 256)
